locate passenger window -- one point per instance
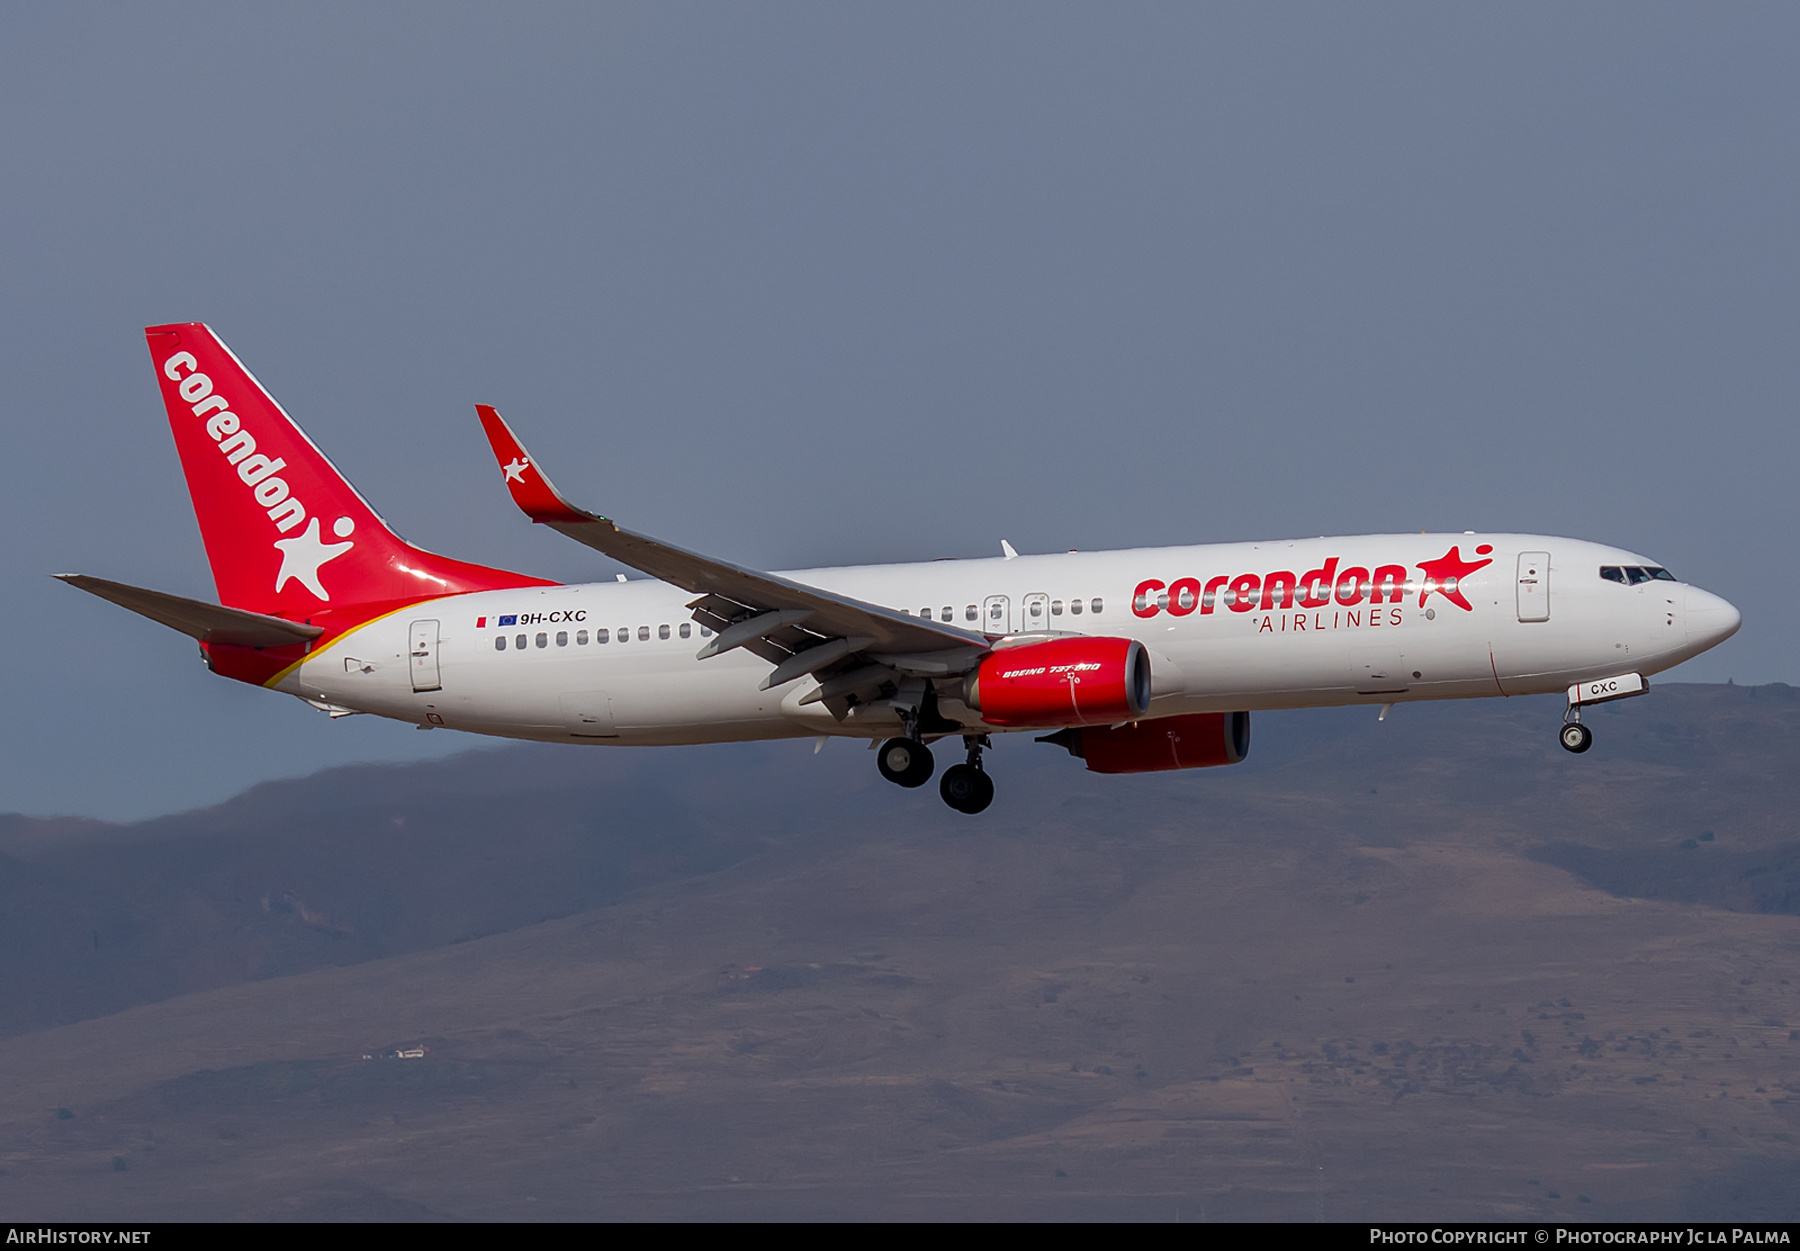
(1075, 607)
(1037, 608)
(662, 632)
(543, 640)
(519, 642)
(643, 634)
(949, 614)
(925, 613)
(705, 632)
(601, 636)
(1096, 605)
(624, 634)
(1056, 608)
(1636, 575)
(499, 642)
(581, 638)
(994, 612)
(971, 613)
(1612, 573)
(906, 612)
(687, 629)
(1661, 575)
(562, 638)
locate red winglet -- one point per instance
(531, 489)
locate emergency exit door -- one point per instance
(423, 646)
(996, 615)
(1534, 586)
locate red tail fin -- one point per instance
(286, 534)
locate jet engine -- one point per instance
(1196, 741)
(1069, 681)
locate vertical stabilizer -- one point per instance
(286, 534)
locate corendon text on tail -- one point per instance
(1134, 661)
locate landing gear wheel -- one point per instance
(966, 788)
(905, 762)
(1576, 737)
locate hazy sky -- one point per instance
(801, 284)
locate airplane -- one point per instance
(1134, 661)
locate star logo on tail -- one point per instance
(302, 555)
(515, 472)
(1445, 574)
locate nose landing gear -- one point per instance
(967, 787)
(1575, 736)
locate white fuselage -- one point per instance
(438, 663)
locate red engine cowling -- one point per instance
(1073, 681)
(1197, 741)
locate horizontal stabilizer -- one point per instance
(209, 623)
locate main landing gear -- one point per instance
(905, 762)
(966, 787)
(1575, 736)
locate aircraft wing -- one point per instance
(783, 621)
(210, 623)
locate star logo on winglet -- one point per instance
(515, 472)
(1445, 574)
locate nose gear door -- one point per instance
(423, 660)
(1534, 586)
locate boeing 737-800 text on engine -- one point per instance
(1135, 660)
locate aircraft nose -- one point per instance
(1710, 619)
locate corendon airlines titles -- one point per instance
(1315, 589)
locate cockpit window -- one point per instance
(1633, 575)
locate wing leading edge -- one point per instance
(853, 647)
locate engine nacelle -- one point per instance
(1072, 681)
(1197, 741)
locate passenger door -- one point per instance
(1534, 586)
(423, 661)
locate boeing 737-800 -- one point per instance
(1135, 661)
